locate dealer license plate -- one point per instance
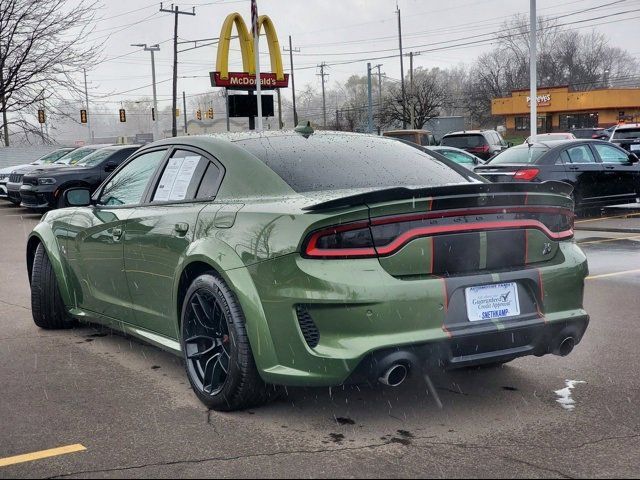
(489, 302)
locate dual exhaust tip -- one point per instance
(396, 374)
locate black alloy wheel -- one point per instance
(206, 342)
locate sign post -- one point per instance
(256, 46)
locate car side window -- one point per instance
(579, 154)
(128, 185)
(611, 155)
(183, 175)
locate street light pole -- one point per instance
(152, 49)
(533, 73)
(370, 109)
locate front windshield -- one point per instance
(627, 133)
(74, 157)
(94, 158)
(519, 155)
(51, 157)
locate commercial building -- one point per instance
(560, 109)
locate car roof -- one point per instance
(415, 130)
(468, 132)
(628, 125)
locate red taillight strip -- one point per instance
(409, 235)
(470, 211)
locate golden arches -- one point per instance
(246, 46)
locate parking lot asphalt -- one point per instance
(130, 408)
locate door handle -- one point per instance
(574, 168)
(610, 167)
(116, 233)
(181, 228)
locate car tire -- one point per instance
(213, 325)
(47, 307)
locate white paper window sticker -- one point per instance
(176, 179)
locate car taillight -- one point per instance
(353, 240)
(386, 235)
(481, 149)
(526, 174)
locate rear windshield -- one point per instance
(627, 133)
(72, 158)
(585, 133)
(519, 155)
(464, 141)
(336, 162)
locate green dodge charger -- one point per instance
(312, 259)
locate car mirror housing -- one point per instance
(110, 167)
(77, 197)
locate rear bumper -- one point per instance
(315, 322)
(473, 349)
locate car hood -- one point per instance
(12, 169)
(55, 169)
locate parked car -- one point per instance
(481, 143)
(302, 259)
(44, 188)
(593, 133)
(627, 136)
(419, 137)
(600, 172)
(542, 137)
(14, 182)
(78, 154)
(459, 156)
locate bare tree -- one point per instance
(425, 100)
(43, 48)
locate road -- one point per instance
(131, 409)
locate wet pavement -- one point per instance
(131, 407)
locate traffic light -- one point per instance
(210, 113)
(123, 115)
(178, 112)
(41, 116)
(198, 114)
(83, 116)
(153, 114)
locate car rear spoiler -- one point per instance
(403, 193)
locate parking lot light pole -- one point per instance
(533, 90)
(152, 49)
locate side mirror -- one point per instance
(110, 166)
(633, 158)
(77, 197)
(509, 144)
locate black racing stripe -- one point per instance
(506, 248)
(456, 253)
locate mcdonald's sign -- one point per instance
(247, 80)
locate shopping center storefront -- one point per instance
(560, 109)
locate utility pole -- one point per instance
(280, 124)
(404, 116)
(3, 100)
(370, 113)
(293, 82)
(42, 125)
(379, 96)
(152, 49)
(533, 73)
(324, 104)
(184, 108)
(176, 11)
(86, 100)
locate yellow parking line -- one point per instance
(609, 240)
(605, 275)
(30, 457)
(626, 215)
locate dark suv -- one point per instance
(481, 143)
(44, 188)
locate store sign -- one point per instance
(247, 80)
(541, 100)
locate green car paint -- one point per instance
(125, 267)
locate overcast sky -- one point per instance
(324, 30)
